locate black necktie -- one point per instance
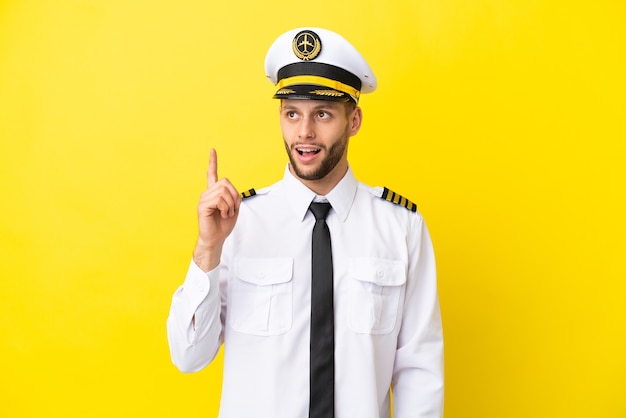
(322, 379)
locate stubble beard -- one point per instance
(334, 155)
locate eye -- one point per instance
(323, 114)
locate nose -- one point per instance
(305, 130)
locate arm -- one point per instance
(194, 325)
(418, 373)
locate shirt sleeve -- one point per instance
(194, 324)
(418, 372)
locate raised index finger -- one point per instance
(212, 173)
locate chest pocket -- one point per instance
(260, 296)
(375, 288)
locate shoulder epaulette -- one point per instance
(393, 197)
(248, 193)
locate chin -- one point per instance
(306, 173)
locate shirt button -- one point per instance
(380, 273)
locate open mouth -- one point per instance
(308, 150)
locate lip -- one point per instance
(306, 153)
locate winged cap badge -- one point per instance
(306, 45)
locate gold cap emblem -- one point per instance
(306, 45)
(331, 93)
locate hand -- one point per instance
(217, 214)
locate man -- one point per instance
(320, 313)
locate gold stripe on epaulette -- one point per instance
(393, 197)
(248, 193)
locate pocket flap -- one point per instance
(378, 271)
(264, 271)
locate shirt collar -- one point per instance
(341, 197)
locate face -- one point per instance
(316, 134)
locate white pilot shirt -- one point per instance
(257, 302)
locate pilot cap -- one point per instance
(315, 63)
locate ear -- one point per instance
(355, 119)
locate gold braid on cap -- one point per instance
(320, 81)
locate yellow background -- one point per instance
(504, 120)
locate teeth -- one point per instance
(307, 150)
